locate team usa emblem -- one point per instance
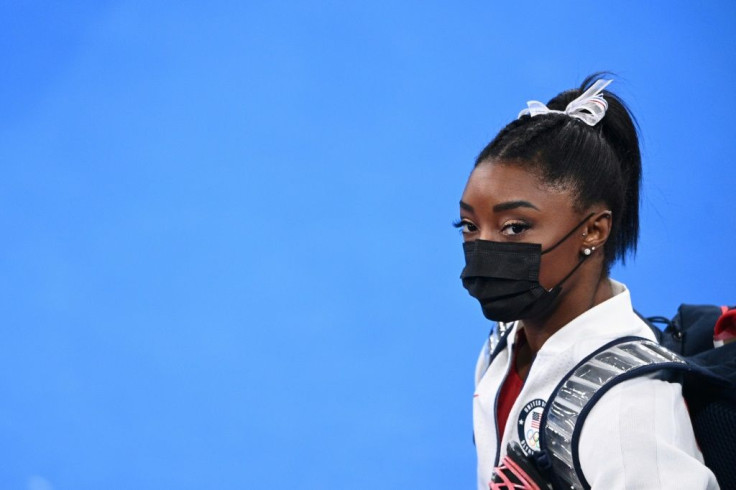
(530, 420)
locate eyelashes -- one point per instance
(511, 228)
(514, 228)
(465, 226)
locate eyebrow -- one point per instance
(505, 206)
(467, 207)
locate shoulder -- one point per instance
(496, 346)
(484, 360)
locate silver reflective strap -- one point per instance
(574, 394)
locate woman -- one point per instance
(551, 204)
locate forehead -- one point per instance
(493, 183)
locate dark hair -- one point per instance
(600, 163)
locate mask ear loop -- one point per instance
(569, 234)
(559, 284)
(580, 262)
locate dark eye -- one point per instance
(514, 228)
(465, 226)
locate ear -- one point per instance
(597, 230)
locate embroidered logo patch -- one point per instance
(530, 419)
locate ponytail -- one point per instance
(600, 163)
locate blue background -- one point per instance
(227, 254)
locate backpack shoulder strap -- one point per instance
(501, 344)
(497, 342)
(579, 390)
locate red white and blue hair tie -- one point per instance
(590, 107)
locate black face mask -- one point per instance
(504, 277)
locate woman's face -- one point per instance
(505, 203)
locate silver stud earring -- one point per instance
(586, 251)
(592, 248)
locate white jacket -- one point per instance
(638, 435)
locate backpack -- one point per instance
(709, 387)
(690, 332)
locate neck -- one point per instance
(572, 305)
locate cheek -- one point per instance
(556, 265)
